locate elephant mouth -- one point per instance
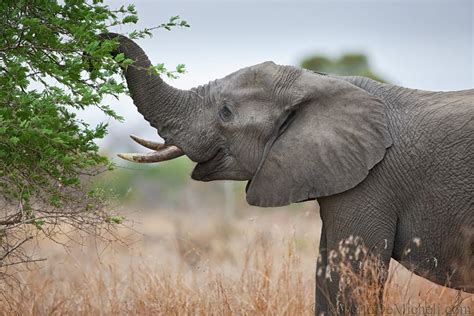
(221, 166)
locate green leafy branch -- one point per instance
(52, 65)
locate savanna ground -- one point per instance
(177, 263)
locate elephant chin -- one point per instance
(220, 167)
(218, 175)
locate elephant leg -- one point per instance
(355, 253)
(348, 277)
(323, 304)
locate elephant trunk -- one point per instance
(157, 101)
(162, 105)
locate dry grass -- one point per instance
(204, 265)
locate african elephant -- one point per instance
(391, 165)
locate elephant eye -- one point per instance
(225, 114)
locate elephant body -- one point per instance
(391, 166)
(416, 205)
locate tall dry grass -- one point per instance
(186, 265)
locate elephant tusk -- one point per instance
(148, 143)
(166, 153)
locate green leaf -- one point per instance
(130, 19)
(119, 57)
(115, 219)
(14, 140)
(127, 62)
(183, 23)
(174, 18)
(181, 68)
(38, 223)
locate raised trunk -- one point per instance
(161, 104)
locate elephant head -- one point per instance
(294, 135)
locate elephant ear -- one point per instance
(337, 133)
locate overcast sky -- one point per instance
(418, 44)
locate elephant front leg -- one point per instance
(357, 275)
(351, 271)
(331, 294)
(323, 304)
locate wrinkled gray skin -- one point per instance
(388, 164)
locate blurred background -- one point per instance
(418, 44)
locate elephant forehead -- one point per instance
(250, 76)
(244, 94)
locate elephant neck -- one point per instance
(394, 97)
